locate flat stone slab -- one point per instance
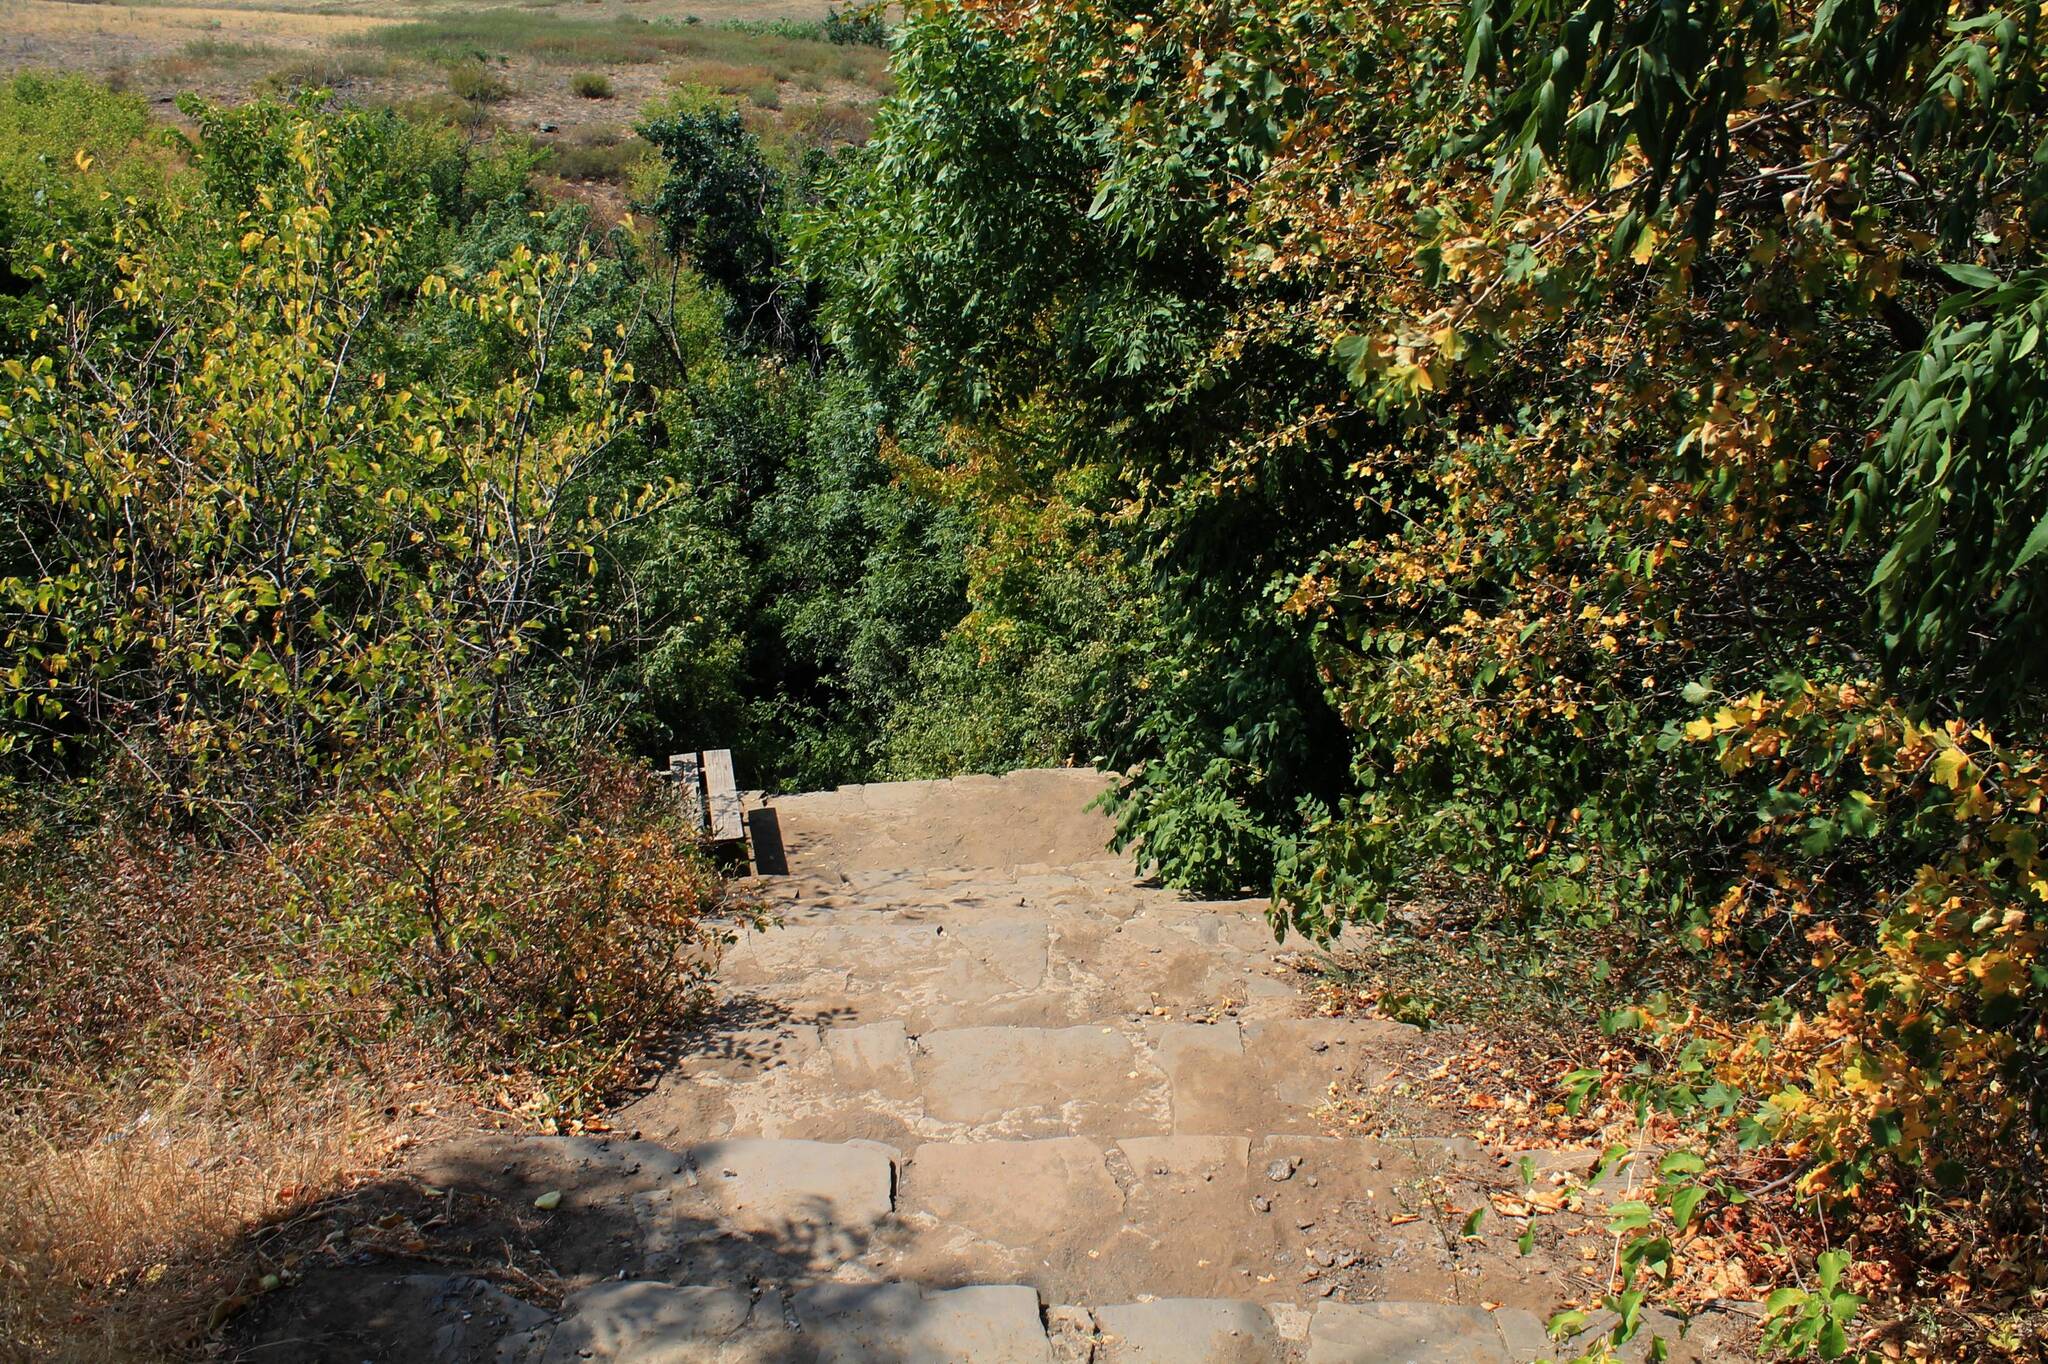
(1086, 1220)
(467, 1313)
(765, 1185)
(1408, 1333)
(1037, 951)
(875, 1056)
(1298, 1059)
(1028, 1195)
(900, 1323)
(883, 1081)
(1187, 1331)
(1187, 1160)
(647, 1323)
(1205, 1067)
(928, 971)
(763, 1210)
(1031, 1081)
(1030, 816)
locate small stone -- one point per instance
(1280, 1171)
(1262, 1204)
(1311, 1181)
(1322, 1290)
(1347, 1259)
(1322, 1257)
(1306, 1223)
(1319, 1045)
(549, 1201)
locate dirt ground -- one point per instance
(229, 52)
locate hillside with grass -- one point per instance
(1551, 504)
(568, 80)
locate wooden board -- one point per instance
(723, 796)
(688, 771)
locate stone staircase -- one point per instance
(983, 1096)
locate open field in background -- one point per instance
(572, 74)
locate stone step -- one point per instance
(1276, 1218)
(1281, 1218)
(655, 1323)
(904, 1323)
(955, 965)
(1136, 1075)
(1026, 817)
(1101, 879)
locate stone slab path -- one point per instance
(984, 1096)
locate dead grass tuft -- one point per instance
(123, 1237)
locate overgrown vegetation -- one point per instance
(1592, 452)
(856, 25)
(333, 502)
(364, 520)
(1591, 458)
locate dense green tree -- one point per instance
(721, 205)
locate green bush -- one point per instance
(331, 69)
(476, 83)
(71, 154)
(591, 85)
(213, 646)
(600, 154)
(722, 203)
(857, 25)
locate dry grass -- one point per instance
(336, 69)
(124, 1235)
(177, 24)
(604, 154)
(793, 85)
(726, 78)
(190, 1058)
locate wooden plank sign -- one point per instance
(723, 796)
(687, 769)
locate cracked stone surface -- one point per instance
(1029, 1080)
